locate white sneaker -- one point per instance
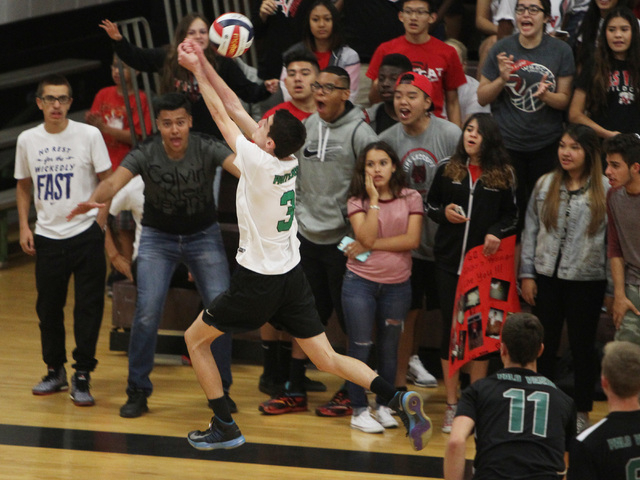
(419, 375)
(449, 414)
(366, 423)
(384, 417)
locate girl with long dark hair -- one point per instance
(563, 261)
(472, 198)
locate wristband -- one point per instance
(374, 207)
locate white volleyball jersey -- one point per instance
(265, 204)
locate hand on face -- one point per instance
(372, 191)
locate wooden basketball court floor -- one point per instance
(50, 438)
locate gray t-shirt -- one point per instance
(420, 156)
(178, 193)
(526, 122)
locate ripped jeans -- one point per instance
(370, 306)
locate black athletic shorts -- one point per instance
(253, 299)
(423, 285)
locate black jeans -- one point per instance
(579, 303)
(56, 260)
(324, 267)
(529, 167)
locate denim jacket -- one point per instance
(583, 257)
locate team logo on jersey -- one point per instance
(419, 164)
(620, 83)
(524, 82)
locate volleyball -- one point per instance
(231, 34)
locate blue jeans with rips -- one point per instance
(368, 305)
(160, 252)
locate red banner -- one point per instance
(486, 294)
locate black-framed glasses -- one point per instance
(50, 99)
(417, 11)
(326, 88)
(532, 9)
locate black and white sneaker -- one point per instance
(219, 435)
(80, 394)
(54, 381)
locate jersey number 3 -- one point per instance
(287, 199)
(517, 405)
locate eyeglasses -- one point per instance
(532, 9)
(326, 88)
(50, 99)
(412, 11)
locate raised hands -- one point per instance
(505, 64)
(189, 55)
(111, 29)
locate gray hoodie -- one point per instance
(326, 163)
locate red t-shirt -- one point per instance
(435, 59)
(299, 114)
(475, 171)
(110, 105)
(323, 59)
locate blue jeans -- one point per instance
(366, 305)
(204, 255)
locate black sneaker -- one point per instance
(408, 406)
(314, 385)
(218, 435)
(233, 408)
(270, 387)
(80, 394)
(136, 405)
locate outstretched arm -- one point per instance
(223, 103)
(104, 192)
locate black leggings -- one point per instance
(579, 303)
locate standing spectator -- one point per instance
(563, 267)
(301, 69)
(174, 78)
(179, 225)
(336, 134)
(422, 141)
(376, 293)
(623, 248)
(366, 26)
(591, 27)
(606, 89)
(480, 180)
(527, 80)
(610, 449)
(62, 161)
(523, 423)
(430, 57)
(383, 115)
(322, 35)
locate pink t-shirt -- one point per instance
(393, 219)
(434, 59)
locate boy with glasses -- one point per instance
(62, 161)
(430, 57)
